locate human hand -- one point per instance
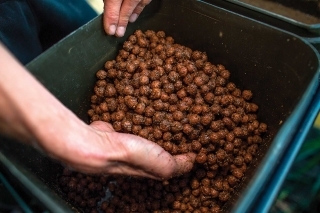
(30, 113)
(117, 14)
(119, 153)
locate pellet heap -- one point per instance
(173, 96)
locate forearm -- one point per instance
(28, 111)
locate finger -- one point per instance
(146, 156)
(128, 169)
(185, 163)
(136, 12)
(111, 15)
(127, 8)
(117, 152)
(112, 168)
(118, 167)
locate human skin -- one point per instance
(117, 14)
(31, 114)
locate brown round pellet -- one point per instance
(247, 94)
(224, 196)
(201, 158)
(176, 127)
(101, 74)
(209, 97)
(196, 145)
(165, 125)
(214, 137)
(127, 46)
(155, 93)
(237, 173)
(149, 111)
(109, 65)
(195, 184)
(262, 127)
(194, 119)
(229, 147)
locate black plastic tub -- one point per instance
(281, 69)
(302, 6)
(309, 32)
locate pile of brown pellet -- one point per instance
(173, 96)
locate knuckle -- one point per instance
(123, 20)
(113, 17)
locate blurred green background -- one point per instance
(300, 192)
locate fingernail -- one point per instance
(120, 31)
(112, 30)
(133, 17)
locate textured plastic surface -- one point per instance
(314, 28)
(258, 14)
(280, 68)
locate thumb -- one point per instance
(102, 126)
